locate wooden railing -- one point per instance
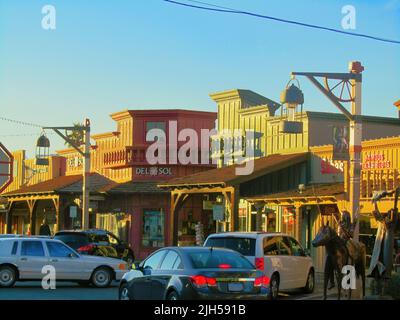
(125, 157)
(379, 179)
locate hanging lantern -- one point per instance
(291, 98)
(42, 150)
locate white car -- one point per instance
(278, 255)
(23, 259)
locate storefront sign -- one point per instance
(208, 205)
(289, 215)
(154, 171)
(328, 166)
(218, 212)
(73, 212)
(328, 209)
(376, 161)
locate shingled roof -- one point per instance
(63, 184)
(227, 175)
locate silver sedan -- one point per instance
(28, 258)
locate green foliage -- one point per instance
(77, 136)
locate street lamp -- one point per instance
(291, 98)
(42, 150)
(348, 89)
(85, 153)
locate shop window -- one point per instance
(153, 228)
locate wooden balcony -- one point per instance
(125, 157)
(377, 180)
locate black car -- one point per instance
(97, 242)
(190, 273)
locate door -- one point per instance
(66, 262)
(141, 287)
(32, 259)
(162, 276)
(302, 262)
(287, 263)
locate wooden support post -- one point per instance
(32, 217)
(9, 218)
(299, 221)
(259, 207)
(177, 201)
(56, 202)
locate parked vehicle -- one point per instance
(6, 236)
(279, 256)
(23, 259)
(190, 273)
(97, 242)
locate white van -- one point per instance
(278, 255)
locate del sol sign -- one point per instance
(153, 171)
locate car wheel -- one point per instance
(173, 296)
(101, 278)
(309, 288)
(274, 287)
(8, 276)
(124, 292)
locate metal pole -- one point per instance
(86, 177)
(355, 149)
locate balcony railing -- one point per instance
(377, 180)
(125, 157)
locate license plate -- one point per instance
(235, 287)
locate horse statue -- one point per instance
(339, 254)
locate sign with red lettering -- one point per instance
(376, 161)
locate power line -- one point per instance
(21, 122)
(215, 8)
(23, 135)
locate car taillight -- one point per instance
(203, 281)
(224, 266)
(259, 263)
(86, 248)
(261, 281)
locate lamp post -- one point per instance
(85, 129)
(349, 85)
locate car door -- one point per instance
(32, 259)
(285, 256)
(272, 261)
(141, 287)
(66, 262)
(302, 262)
(162, 276)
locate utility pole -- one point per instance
(85, 129)
(350, 87)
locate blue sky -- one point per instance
(107, 56)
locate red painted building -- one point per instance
(125, 198)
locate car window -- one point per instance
(112, 239)
(58, 250)
(215, 259)
(284, 247)
(153, 261)
(14, 248)
(245, 246)
(169, 260)
(296, 248)
(32, 248)
(75, 240)
(270, 245)
(178, 265)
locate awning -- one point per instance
(227, 176)
(319, 193)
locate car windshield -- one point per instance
(215, 259)
(245, 246)
(74, 240)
